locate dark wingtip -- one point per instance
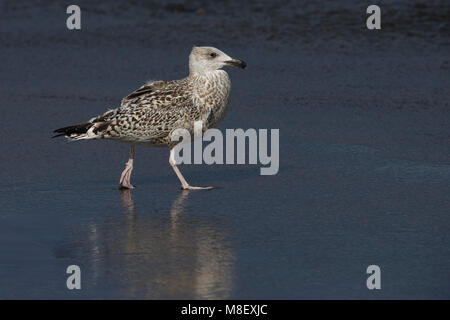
(60, 131)
(76, 129)
(58, 135)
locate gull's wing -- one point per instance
(153, 111)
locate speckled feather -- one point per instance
(150, 114)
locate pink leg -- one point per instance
(126, 174)
(184, 184)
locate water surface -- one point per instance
(364, 154)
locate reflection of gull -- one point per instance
(153, 113)
(208, 274)
(156, 255)
(127, 202)
(176, 209)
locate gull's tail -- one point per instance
(74, 132)
(96, 128)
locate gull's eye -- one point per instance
(213, 54)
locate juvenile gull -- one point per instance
(151, 114)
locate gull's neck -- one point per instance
(200, 73)
(207, 74)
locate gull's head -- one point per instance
(206, 59)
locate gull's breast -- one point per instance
(211, 94)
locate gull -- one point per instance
(151, 114)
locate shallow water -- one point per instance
(364, 155)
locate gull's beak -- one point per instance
(236, 63)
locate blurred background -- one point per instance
(364, 153)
